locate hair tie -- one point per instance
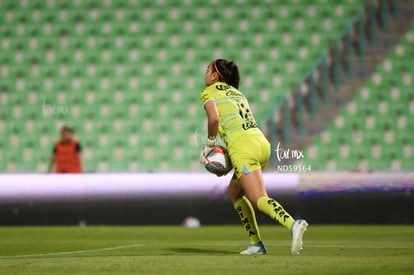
(215, 67)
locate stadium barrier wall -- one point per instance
(320, 197)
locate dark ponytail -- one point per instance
(228, 72)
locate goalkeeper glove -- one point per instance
(208, 147)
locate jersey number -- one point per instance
(247, 116)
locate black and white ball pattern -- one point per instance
(218, 162)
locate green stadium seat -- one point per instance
(380, 112)
(118, 68)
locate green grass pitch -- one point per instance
(339, 249)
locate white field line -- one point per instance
(70, 252)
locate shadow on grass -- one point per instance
(187, 250)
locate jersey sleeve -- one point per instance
(206, 96)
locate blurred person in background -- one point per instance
(66, 156)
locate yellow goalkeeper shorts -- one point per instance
(249, 153)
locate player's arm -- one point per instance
(212, 128)
(79, 155)
(212, 119)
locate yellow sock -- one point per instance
(248, 218)
(274, 210)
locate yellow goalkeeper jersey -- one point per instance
(236, 117)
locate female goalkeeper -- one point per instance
(229, 114)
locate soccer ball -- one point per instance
(218, 161)
(191, 222)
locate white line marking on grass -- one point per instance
(70, 252)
